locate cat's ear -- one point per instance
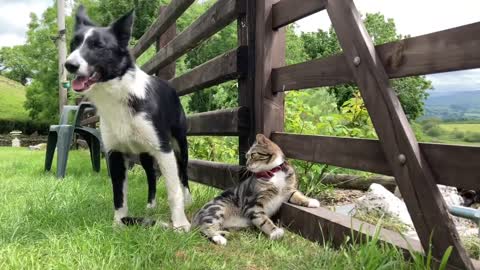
(261, 139)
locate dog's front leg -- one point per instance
(118, 173)
(168, 166)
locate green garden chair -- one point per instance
(61, 137)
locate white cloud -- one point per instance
(418, 17)
(14, 18)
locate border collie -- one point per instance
(139, 114)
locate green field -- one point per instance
(466, 127)
(52, 224)
(12, 97)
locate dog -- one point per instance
(140, 114)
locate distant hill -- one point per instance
(453, 105)
(12, 97)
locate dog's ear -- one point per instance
(122, 28)
(81, 18)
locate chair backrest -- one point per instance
(66, 113)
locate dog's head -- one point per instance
(99, 54)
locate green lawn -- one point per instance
(473, 127)
(12, 97)
(51, 224)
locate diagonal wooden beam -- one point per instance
(412, 173)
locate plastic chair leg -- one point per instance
(94, 146)
(64, 141)
(51, 145)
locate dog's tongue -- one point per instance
(79, 83)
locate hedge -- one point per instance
(25, 126)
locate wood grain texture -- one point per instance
(367, 155)
(213, 20)
(167, 72)
(289, 11)
(269, 54)
(410, 169)
(227, 122)
(89, 121)
(220, 69)
(168, 17)
(246, 83)
(215, 174)
(448, 50)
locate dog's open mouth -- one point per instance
(82, 83)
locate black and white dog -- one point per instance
(140, 114)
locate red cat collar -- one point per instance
(266, 175)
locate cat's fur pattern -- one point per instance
(255, 200)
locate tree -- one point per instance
(412, 91)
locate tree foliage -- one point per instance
(412, 91)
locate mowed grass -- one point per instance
(52, 224)
(12, 97)
(466, 127)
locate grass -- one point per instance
(52, 224)
(12, 97)
(466, 127)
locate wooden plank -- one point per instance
(217, 17)
(246, 83)
(448, 50)
(324, 226)
(215, 174)
(168, 17)
(269, 53)
(289, 11)
(220, 69)
(358, 154)
(410, 169)
(167, 72)
(367, 155)
(90, 120)
(227, 122)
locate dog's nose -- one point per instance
(71, 66)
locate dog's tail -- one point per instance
(180, 147)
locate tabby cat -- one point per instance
(257, 198)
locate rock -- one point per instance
(450, 195)
(82, 144)
(379, 199)
(40, 146)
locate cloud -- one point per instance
(464, 80)
(14, 18)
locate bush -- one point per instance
(472, 137)
(458, 134)
(25, 126)
(435, 131)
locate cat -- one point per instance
(256, 199)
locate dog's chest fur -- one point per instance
(121, 127)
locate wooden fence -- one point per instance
(258, 63)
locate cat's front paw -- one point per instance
(277, 234)
(219, 240)
(313, 203)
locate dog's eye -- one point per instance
(95, 44)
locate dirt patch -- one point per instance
(341, 197)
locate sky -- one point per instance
(413, 17)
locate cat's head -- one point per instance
(264, 155)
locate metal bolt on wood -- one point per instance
(356, 61)
(402, 159)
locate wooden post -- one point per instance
(167, 72)
(246, 84)
(269, 53)
(412, 173)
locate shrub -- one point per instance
(458, 134)
(472, 137)
(25, 126)
(435, 131)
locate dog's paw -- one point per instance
(277, 234)
(152, 205)
(219, 240)
(181, 226)
(313, 203)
